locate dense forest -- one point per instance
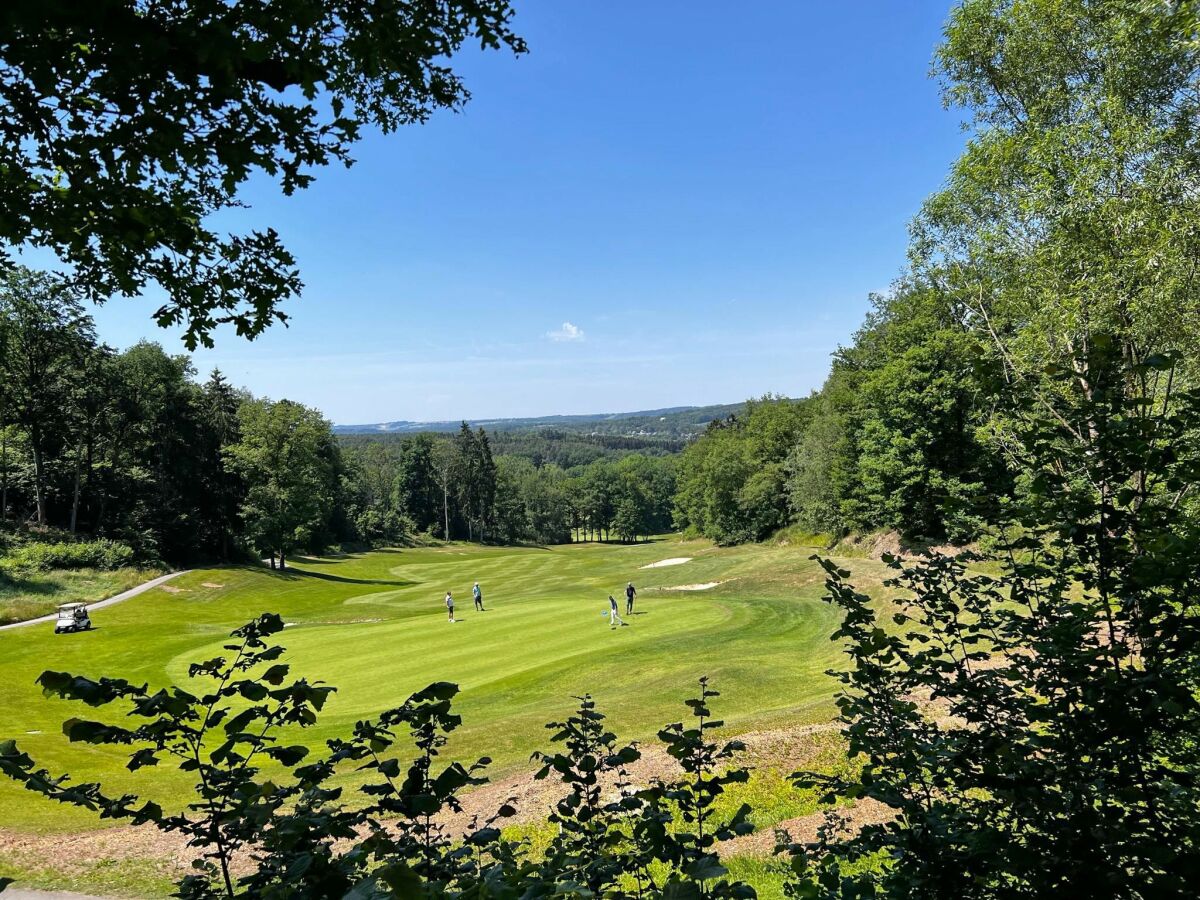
(131, 448)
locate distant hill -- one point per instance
(673, 422)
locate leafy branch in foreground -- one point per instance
(126, 125)
(268, 823)
(687, 802)
(617, 840)
(262, 834)
(1036, 731)
(241, 714)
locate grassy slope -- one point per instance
(374, 626)
(29, 596)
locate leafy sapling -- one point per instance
(588, 854)
(220, 734)
(679, 826)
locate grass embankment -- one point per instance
(373, 625)
(29, 595)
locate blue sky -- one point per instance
(665, 202)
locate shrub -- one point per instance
(41, 557)
(1059, 755)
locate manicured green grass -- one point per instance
(374, 626)
(27, 596)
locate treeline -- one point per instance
(130, 446)
(563, 448)
(456, 488)
(732, 481)
(906, 434)
(912, 431)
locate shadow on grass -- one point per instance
(297, 574)
(19, 585)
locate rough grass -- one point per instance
(119, 878)
(27, 596)
(373, 624)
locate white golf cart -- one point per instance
(72, 617)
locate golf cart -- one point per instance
(72, 617)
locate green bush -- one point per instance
(41, 557)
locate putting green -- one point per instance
(374, 626)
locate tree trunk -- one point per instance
(39, 481)
(114, 466)
(446, 510)
(4, 473)
(282, 560)
(75, 497)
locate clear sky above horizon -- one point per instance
(663, 203)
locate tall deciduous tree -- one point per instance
(46, 336)
(1071, 213)
(284, 454)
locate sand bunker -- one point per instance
(673, 561)
(707, 586)
(211, 584)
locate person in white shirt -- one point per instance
(614, 618)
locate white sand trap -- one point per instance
(707, 586)
(673, 561)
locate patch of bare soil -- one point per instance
(891, 543)
(78, 854)
(211, 584)
(784, 749)
(804, 829)
(171, 589)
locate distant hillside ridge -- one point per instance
(673, 422)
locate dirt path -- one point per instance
(22, 894)
(100, 604)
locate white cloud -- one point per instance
(568, 332)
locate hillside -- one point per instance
(672, 422)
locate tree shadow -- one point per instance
(295, 574)
(21, 585)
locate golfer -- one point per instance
(630, 593)
(478, 595)
(614, 619)
(450, 605)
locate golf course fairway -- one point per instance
(374, 625)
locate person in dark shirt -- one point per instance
(630, 593)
